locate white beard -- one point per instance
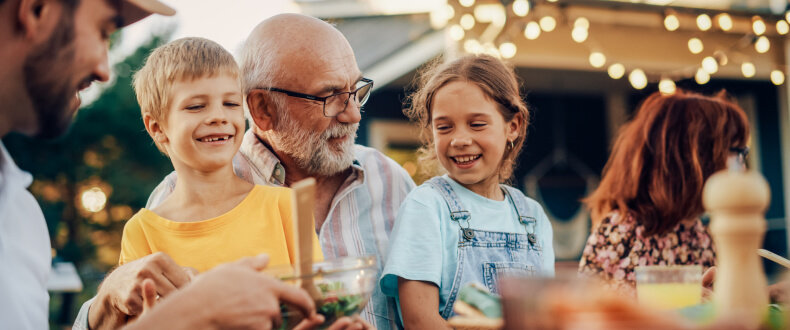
(311, 151)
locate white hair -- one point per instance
(260, 68)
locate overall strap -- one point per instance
(458, 212)
(523, 211)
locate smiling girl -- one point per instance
(465, 226)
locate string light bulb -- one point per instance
(532, 31)
(579, 34)
(548, 23)
(666, 86)
(695, 46)
(671, 22)
(758, 25)
(710, 65)
(508, 50)
(638, 79)
(486, 13)
(490, 49)
(702, 77)
(725, 22)
(457, 32)
(597, 59)
(762, 45)
(777, 77)
(721, 57)
(782, 27)
(473, 47)
(449, 11)
(467, 3)
(616, 71)
(467, 21)
(521, 8)
(748, 69)
(703, 22)
(581, 23)
(94, 199)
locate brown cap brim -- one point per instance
(134, 10)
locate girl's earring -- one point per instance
(511, 145)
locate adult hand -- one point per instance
(779, 292)
(234, 295)
(707, 284)
(343, 323)
(121, 293)
(351, 323)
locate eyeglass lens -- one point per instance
(338, 103)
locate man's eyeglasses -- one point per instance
(336, 103)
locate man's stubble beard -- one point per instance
(311, 151)
(48, 87)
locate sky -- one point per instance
(228, 22)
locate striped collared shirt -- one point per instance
(360, 218)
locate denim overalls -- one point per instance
(485, 255)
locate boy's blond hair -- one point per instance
(184, 59)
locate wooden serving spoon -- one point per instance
(774, 257)
(302, 209)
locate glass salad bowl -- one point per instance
(344, 286)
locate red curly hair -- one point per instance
(662, 158)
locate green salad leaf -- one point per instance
(336, 303)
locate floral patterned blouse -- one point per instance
(617, 246)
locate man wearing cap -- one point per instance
(50, 50)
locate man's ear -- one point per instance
(262, 110)
(154, 129)
(38, 18)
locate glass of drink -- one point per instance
(669, 287)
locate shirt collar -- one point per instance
(269, 165)
(262, 158)
(10, 171)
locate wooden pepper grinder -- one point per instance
(736, 202)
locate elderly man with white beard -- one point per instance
(304, 93)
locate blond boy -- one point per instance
(191, 102)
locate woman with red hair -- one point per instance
(646, 210)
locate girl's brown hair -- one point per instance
(495, 78)
(662, 158)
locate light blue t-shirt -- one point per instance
(424, 240)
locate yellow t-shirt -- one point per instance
(261, 223)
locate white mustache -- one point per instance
(339, 130)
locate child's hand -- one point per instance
(149, 295)
(149, 289)
(191, 272)
(119, 295)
